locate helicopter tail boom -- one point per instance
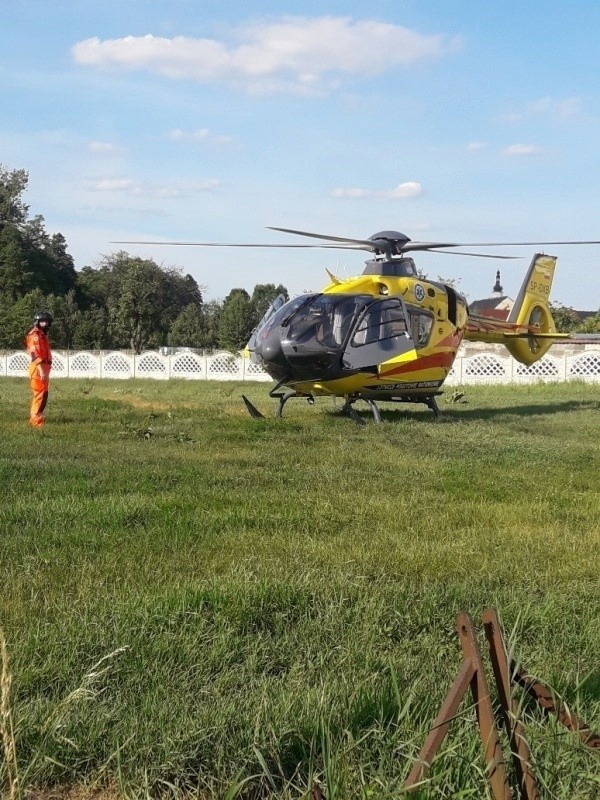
(529, 331)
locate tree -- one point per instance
(189, 329)
(590, 324)
(12, 185)
(94, 285)
(135, 300)
(565, 319)
(66, 320)
(29, 257)
(15, 276)
(237, 320)
(91, 331)
(17, 317)
(212, 316)
(142, 299)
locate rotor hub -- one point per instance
(389, 243)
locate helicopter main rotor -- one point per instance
(385, 243)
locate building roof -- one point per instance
(496, 306)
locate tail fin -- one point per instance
(532, 309)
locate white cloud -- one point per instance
(569, 107)
(175, 190)
(522, 150)
(199, 135)
(299, 53)
(404, 191)
(104, 148)
(473, 147)
(565, 108)
(114, 185)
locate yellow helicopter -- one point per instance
(389, 334)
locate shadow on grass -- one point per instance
(462, 412)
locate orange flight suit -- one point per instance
(38, 347)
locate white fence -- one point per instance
(117, 364)
(488, 365)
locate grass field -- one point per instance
(200, 604)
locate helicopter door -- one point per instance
(381, 333)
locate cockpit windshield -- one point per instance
(325, 320)
(281, 317)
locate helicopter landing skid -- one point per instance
(347, 408)
(352, 413)
(429, 400)
(431, 403)
(283, 397)
(252, 409)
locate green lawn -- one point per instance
(198, 602)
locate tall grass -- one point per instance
(200, 603)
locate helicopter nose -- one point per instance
(271, 352)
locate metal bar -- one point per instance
(252, 409)
(545, 698)
(521, 754)
(283, 400)
(376, 412)
(441, 724)
(494, 759)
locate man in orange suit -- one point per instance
(38, 347)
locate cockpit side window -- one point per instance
(421, 324)
(382, 320)
(382, 332)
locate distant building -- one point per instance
(497, 305)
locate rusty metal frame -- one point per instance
(490, 738)
(506, 674)
(471, 675)
(552, 705)
(440, 727)
(521, 755)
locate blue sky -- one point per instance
(447, 120)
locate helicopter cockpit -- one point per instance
(328, 336)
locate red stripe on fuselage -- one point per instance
(428, 362)
(452, 340)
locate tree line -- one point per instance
(125, 302)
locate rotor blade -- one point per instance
(410, 245)
(427, 245)
(364, 242)
(511, 244)
(475, 255)
(242, 244)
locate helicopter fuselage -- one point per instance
(386, 334)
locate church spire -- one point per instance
(498, 289)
